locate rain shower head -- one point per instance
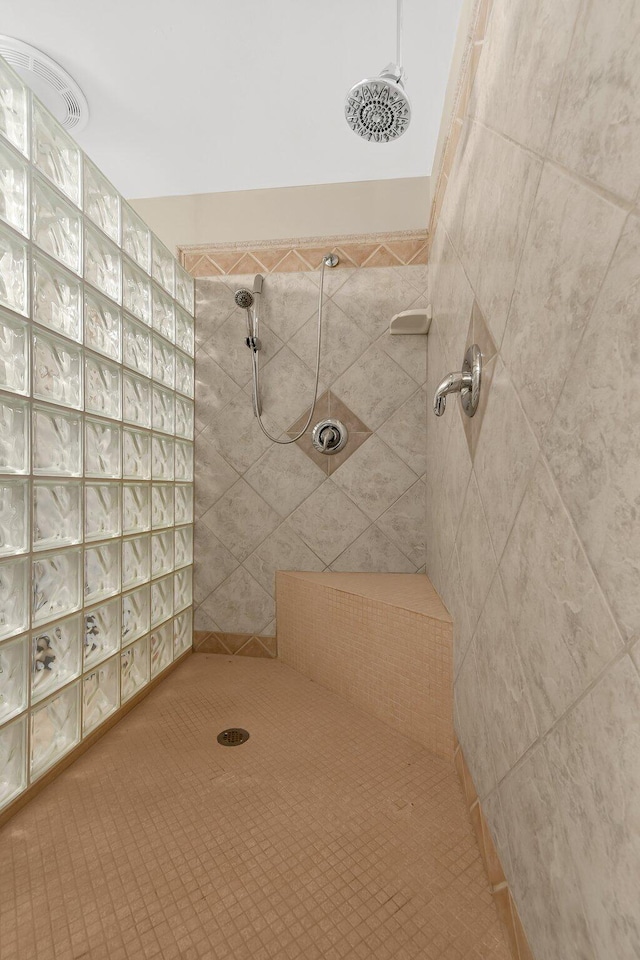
(244, 299)
(379, 109)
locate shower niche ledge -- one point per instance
(383, 641)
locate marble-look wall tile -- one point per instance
(240, 604)
(570, 242)
(507, 706)
(475, 550)
(403, 523)
(505, 457)
(593, 439)
(372, 297)
(241, 519)
(565, 630)
(284, 476)
(596, 130)
(543, 876)
(374, 477)
(373, 552)
(521, 67)
(283, 546)
(405, 432)
(603, 830)
(374, 386)
(328, 521)
(486, 213)
(471, 725)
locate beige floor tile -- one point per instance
(159, 843)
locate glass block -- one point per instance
(55, 729)
(57, 298)
(56, 656)
(184, 418)
(14, 436)
(56, 585)
(102, 448)
(57, 514)
(101, 325)
(14, 601)
(184, 504)
(14, 355)
(135, 614)
(184, 460)
(13, 741)
(102, 263)
(162, 458)
(161, 599)
(134, 669)
(136, 455)
(100, 694)
(161, 641)
(56, 226)
(55, 153)
(102, 627)
(185, 337)
(135, 561)
(136, 346)
(136, 237)
(161, 505)
(182, 633)
(57, 370)
(14, 109)
(162, 409)
(161, 553)
(14, 517)
(101, 511)
(183, 588)
(136, 292)
(14, 290)
(101, 571)
(162, 265)
(136, 400)
(163, 361)
(184, 374)
(162, 313)
(135, 507)
(101, 201)
(183, 546)
(14, 678)
(57, 443)
(14, 193)
(102, 388)
(184, 289)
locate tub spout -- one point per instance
(452, 383)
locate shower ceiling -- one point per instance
(206, 96)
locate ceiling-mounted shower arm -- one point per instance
(399, 37)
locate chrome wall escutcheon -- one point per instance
(466, 383)
(329, 436)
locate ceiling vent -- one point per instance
(51, 84)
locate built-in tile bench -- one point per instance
(384, 641)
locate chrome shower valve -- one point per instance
(466, 383)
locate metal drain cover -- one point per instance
(233, 737)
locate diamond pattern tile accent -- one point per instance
(330, 405)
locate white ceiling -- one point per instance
(201, 96)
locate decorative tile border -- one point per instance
(467, 75)
(234, 644)
(507, 910)
(401, 249)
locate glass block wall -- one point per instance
(96, 446)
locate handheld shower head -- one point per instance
(244, 299)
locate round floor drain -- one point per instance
(233, 737)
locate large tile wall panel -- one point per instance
(532, 524)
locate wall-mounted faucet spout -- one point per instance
(452, 383)
(466, 383)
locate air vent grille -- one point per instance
(49, 81)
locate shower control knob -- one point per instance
(329, 436)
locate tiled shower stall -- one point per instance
(96, 446)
